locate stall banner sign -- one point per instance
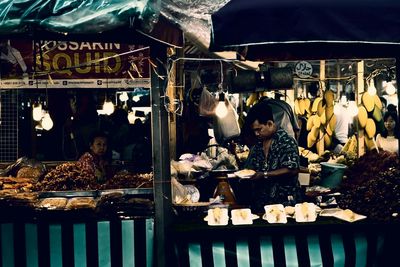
(68, 64)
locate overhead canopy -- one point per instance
(287, 29)
(113, 19)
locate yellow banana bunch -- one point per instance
(369, 113)
(321, 123)
(351, 145)
(302, 106)
(252, 99)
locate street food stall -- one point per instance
(59, 215)
(362, 228)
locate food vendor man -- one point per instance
(275, 159)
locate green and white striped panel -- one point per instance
(117, 243)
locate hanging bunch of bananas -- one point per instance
(369, 113)
(321, 120)
(254, 97)
(302, 106)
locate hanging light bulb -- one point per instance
(108, 107)
(47, 122)
(221, 110)
(136, 98)
(37, 112)
(352, 108)
(390, 89)
(123, 97)
(371, 87)
(131, 117)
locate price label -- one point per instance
(303, 69)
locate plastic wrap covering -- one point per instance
(193, 17)
(76, 16)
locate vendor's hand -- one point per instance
(257, 176)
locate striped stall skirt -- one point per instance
(94, 243)
(308, 250)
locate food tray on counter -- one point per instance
(68, 194)
(96, 193)
(127, 191)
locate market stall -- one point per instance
(106, 227)
(211, 237)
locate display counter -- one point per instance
(326, 242)
(112, 234)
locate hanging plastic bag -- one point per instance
(25, 168)
(227, 127)
(207, 103)
(179, 192)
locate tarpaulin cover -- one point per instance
(270, 23)
(192, 17)
(76, 16)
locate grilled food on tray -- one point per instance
(53, 203)
(18, 184)
(29, 172)
(81, 203)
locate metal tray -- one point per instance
(69, 194)
(96, 193)
(128, 191)
(223, 171)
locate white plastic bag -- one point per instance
(179, 192)
(207, 103)
(227, 127)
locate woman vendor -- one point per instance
(388, 139)
(275, 159)
(95, 161)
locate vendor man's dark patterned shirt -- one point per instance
(283, 153)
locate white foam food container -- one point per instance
(345, 215)
(275, 213)
(244, 174)
(305, 212)
(242, 216)
(349, 216)
(217, 217)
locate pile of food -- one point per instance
(373, 186)
(13, 184)
(125, 179)
(119, 202)
(67, 176)
(26, 199)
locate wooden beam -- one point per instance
(359, 89)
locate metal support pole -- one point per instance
(161, 162)
(398, 94)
